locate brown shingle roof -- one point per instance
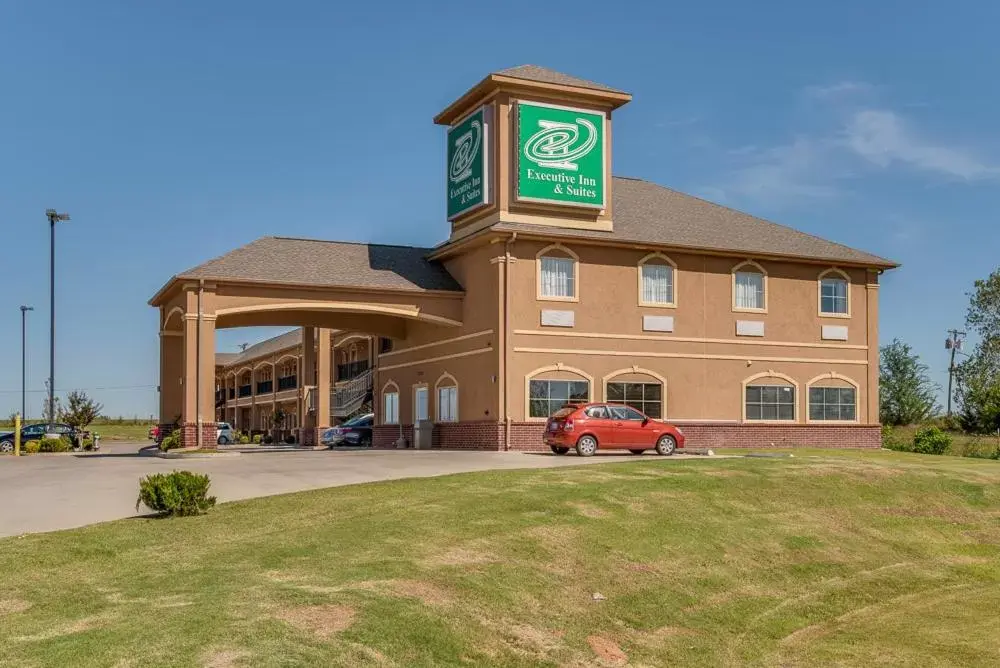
(265, 347)
(645, 212)
(545, 75)
(329, 263)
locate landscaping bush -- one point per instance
(931, 441)
(30, 447)
(54, 445)
(256, 439)
(268, 440)
(171, 441)
(243, 439)
(290, 440)
(87, 444)
(892, 440)
(178, 494)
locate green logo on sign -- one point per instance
(560, 155)
(467, 168)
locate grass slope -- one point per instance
(849, 559)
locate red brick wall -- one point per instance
(527, 436)
(189, 435)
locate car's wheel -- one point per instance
(586, 446)
(666, 445)
(223, 440)
(637, 451)
(559, 450)
(6, 446)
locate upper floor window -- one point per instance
(558, 274)
(749, 287)
(834, 293)
(656, 281)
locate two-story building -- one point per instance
(558, 282)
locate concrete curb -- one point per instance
(173, 454)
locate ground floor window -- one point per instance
(832, 403)
(447, 404)
(770, 402)
(644, 397)
(548, 396)
(390, 408)
(420, 411)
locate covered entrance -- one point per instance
(389, 291)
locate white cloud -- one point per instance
(838, 90)
(882, 138)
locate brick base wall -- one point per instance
(527, 436)
(189, 435)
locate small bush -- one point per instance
(171, 441)
(30, 447)
(179, 494)
(931, 441)
(891, 440)
(290, 439)
(54, 445)
(268, 440)
(87, 444)
(256, 439)
(243, 439)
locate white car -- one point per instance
(224, 434)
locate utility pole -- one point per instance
(954, 344)
(54, 218)
(24, 360)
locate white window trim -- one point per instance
(832, 271)
(389, 388)
(767, 297)
(416, 388)
(446, 380)
(833, 375)
(561, 252)
(770, 374)
(658, 258)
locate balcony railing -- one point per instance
(287, 383)
(245, 390)
(351, 370)
(265, 387)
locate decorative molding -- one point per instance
(656, 255)
(686, 339)
(763, 272)
(657, 323)
(429, 360)
(699, 356)
(442, 342)
(554, 318)
(834, 332)
(819, 293)
(749, 328)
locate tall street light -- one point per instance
(54, 218)
(24, 365)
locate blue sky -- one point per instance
(873, 124)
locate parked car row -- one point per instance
(35, 432)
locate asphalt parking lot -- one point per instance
(46, 493)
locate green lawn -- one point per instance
(836, 558)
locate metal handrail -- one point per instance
(350, 395)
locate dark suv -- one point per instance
(34, 432)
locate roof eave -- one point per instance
(218, 280)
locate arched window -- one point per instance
(770, 397)
(657, 278)
(390, 403)
(749, 287)
(833, 398)
(558, 270)
(446, 390)
(552, 387)
(641, 389)
(834, 294)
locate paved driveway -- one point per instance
(45, 493)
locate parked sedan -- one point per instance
(587, 427)
(34, 432)
(356, 431)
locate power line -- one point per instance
(92, 389)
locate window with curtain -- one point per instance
(390, 408)
(420, 404)
(833, 296)
(832, 403)
(657, 283)
(644, 397)
(447, 404)
(749, 290)
(548, 396)
(770, 402)
(558, 278)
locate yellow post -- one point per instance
(17, 435)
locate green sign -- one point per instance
(468, 171)
(560, 155)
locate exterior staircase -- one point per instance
(349, 396)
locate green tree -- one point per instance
(57, 410)
(977, 379)
(907, 394)
(81, 410)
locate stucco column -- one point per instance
(199, 370)
(324, 376)
(171, 377)
(871, 294)
(307, 430)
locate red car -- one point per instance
(587, 427)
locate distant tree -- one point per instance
(11, 417)
(907, 394)
(56, 409)
(977, 379)
(81, 410)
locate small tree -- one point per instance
(977, 379)
(81, 410)
(907, 394)
(278, 418)
(57, 410)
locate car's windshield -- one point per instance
(356, 421)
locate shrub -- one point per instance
(256, 439)
(54, 445)
(931, 441)
(980, 448)
(244, 439)
(268, 440)
(30, 447)
(891, 440)
(171, 441)
(180, 493)
(290, 439)
(87, 444)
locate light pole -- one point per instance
(954, 344)
(24, 363)
(54, 218)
